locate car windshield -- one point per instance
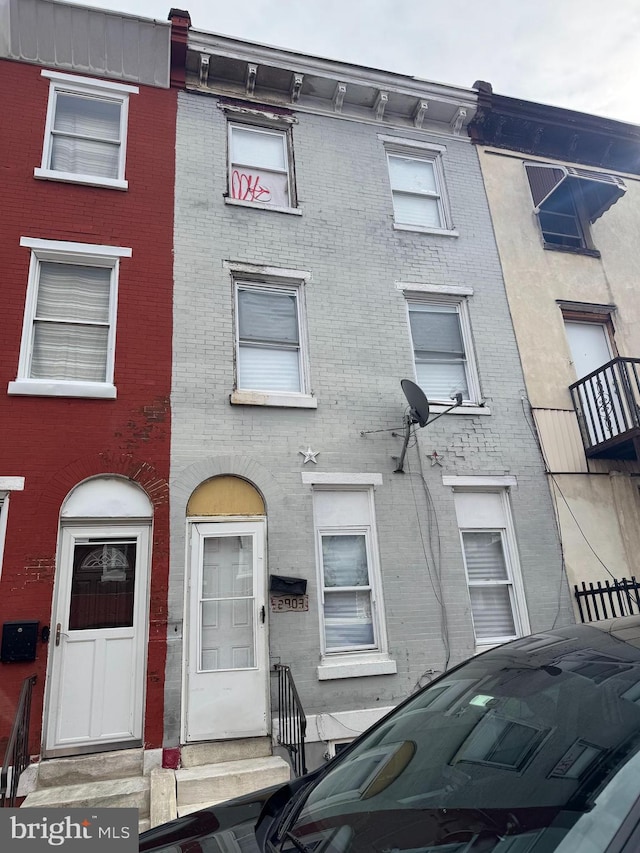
(532, 747)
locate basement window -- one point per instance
(567, 200)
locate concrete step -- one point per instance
(213, 783)
(113, 793)
(87, 769)
(213, 752)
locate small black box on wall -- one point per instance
(19, 640)
(282, 585)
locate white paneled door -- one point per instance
(226, 685)
(95, 696)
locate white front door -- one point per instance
(600, 398)
(227, 674)
(98, 640)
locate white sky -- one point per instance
(580, 54)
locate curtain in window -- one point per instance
(489, 585)
(86, 136)
(415, 192)
(259, 170)
(348, 620)
(71, 324)
(438, 350)
(269, 341)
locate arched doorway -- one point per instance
(97, 657)
(226, 648)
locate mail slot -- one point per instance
(19, 641)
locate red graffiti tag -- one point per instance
(247, 187)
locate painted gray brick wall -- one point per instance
(359, 349)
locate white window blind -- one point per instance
(268, 340)
(71, 323)
(258, 168)
(416, 196)
(348, 620)
(439, 351)
(490, 587)
(86, 135)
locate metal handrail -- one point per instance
(292, 722)
(607, 401)
(16, 756)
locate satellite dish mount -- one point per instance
(418, 414)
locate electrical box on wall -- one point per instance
(19, 641)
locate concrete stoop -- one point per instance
(207, 784)
(102, 780)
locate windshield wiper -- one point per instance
(300, 845)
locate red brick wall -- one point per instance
(55, 443)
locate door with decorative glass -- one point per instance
(226, 651)
(95, 694)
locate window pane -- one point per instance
(344, 561)
(268, 369)
(412, 175)
(63, 351)
(257, 148)
(436, 329)
(227, 567)
(484, 556)
(226, 634)
(491, 610)
(73, 292)
(416, 210)
(347, 619)
(267, 316)
(102, 586)
(85, 157)
(94, 117)
(441, 381)
(249, 184)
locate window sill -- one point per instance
(273, 398)
(61, 388)
(356, 668)
(572, 250)
(72, 178)
(295, 211)
(423, 229)
(464, 409)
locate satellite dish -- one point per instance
(418, 402)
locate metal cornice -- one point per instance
(339, 72)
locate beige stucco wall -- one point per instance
(599, 513)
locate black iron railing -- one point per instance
(607, 403)
(16, 757)
(292, 722)
(604, 601)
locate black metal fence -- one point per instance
(292, 722)
(16, 757)
(607, 401)
(608, 599)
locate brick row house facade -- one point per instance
(205, 344)
(87, 135)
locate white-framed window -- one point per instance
(260, 166)
(349, 582)
(86, 131)
(69, 328)
(416, 176)
(492, 566)
(7, 485)
(442, 348)
(271, 342)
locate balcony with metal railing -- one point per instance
(607, 403)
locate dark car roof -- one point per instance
(625, 628)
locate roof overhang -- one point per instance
(599, 190)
